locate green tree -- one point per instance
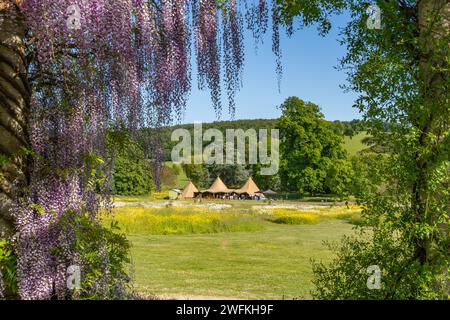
(339, 178)
(196, 173)
(233, 175)
(132, 172)
(368, 169)
(168, 177)
(401, 72)
(308, 148)
(132, 177)
(265, 182)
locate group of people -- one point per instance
(234, 196)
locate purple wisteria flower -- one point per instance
(127, 62)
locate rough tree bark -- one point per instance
(14, 106)
(434, 27)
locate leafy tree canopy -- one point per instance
(309, 147)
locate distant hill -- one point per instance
(232, 124)
(342, 128)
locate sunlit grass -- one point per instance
(274, 263)
(354, 144)
(188, 249)
(293, 216)
(352, 213)
(145, 198)
(181, 220)
(200, 219)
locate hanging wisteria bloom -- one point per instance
(102, 63)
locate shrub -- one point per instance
(176, 169)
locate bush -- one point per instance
(177, 170)
(132, 177)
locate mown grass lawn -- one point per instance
(271, 264)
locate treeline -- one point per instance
(313, 160)
(341, 128)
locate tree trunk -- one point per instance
(434, 26)
(14, 106)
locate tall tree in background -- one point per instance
(197, 174)
(308, 147)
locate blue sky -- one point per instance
(309, 62)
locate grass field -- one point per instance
(246, 250)
(354, 144)
(179, 220)
(270, 264)
(268, 260)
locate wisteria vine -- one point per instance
(125, 62)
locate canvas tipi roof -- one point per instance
(189, 191)
(249, 188)
(218, 187)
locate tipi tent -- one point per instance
(218, 187)
(189, 192)
(250, 188)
